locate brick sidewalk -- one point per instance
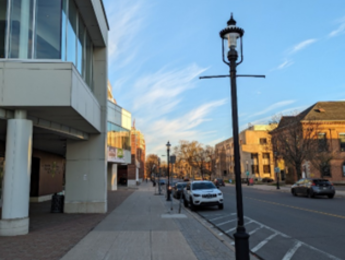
(52, 235)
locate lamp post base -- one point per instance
(168, 196)
(242, 244)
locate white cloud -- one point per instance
(273, 107)
(302, 45)
(284, 65)
(339, 30)
(126, 19)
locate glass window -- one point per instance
(48, 37)
(89, 61)
(118, 137)
(263, 141)
(64, 21)
(21, 29)
(342, 142)
(81, 47)
(322, 142)
(267, 169)
(3, 17)
(343, 169)
(203, 186)
(72, 33)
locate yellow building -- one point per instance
(255, 153)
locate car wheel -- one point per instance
(294, 192)
(192, 206)
(311, 194)
(221, 206)
(185, 202)
(330, 196)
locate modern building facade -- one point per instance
(255, 152)
(53, 107)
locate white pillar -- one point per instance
(16, 184)
(112, 176)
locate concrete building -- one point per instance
(53, 107)
(255, 153)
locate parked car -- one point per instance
(202, 193)
(267, 179)
(313, 187)
(161, 181)
(218, 182)
(178, 189)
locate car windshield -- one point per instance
(203, 186)
(181, 185)
(318, 182)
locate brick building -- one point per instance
(327, 119)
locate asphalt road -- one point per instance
(283, 226)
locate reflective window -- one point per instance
(21, 29)
(81, 47)
(3, 14)
(118, 137)
(63, 29)
(72, 32)
(89, 61)
(48, 37)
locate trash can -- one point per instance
(57, 203)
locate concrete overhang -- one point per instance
(51, 91)
(95, 19)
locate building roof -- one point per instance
(320, 111)
(330, 111)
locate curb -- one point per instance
(225, 239)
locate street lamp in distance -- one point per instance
(168, 161)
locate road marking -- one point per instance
(263, 242)
(226, 222)
(292, 251)
(298, 208)
(232, 229)
(224, 216)
(253, 231)
(220, 234)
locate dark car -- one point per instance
(161, 181)
(218, 182)
(178, 189)
(313, 187)
(267, 179)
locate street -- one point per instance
(282, 226)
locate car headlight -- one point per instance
(196, 195)
(220, 194)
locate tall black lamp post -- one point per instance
(168, 191)
(231, 33)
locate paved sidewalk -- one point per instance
(146, 226)
(51, 236)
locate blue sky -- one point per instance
(158, 49)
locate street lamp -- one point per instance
(247, 173)
(232, 33)
(168, 191)
(276, 169)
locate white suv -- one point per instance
(202, 193)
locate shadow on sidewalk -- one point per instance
(52, 235)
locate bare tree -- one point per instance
(295, 141)
(321, 160)
(151, 163)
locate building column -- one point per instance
(112, 176)
(16, 185)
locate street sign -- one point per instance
(277, 170)
(173, 159)
(247, 172)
